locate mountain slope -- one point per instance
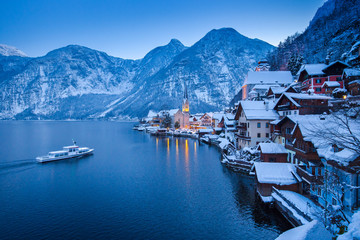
(213, 70)
(333, 30)
(44, 85)
(7, 51)
(78, 82)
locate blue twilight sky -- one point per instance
(131, 28)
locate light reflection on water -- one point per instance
(136, 186)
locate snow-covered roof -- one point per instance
(313, 69)
(277, 90)
(264, 87)
(257, 110)
(272, 148)
(333, 63)
(331, 84)
(354, 82)
(230, 116)
(318, 68)
(216, 115)
(173, 111)
(269, 77)
(306, 96)
(309, 231)
(223, 142)
(350, 72)
(206, 130)
(293, 96)
(276, 173)
(152, 114)
(315, 129)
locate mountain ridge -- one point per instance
(79, 82)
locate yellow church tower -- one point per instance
(185, 110)
(185, 105)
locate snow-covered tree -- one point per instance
(294, 63)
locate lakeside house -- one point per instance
(330, 172)
(282, 176)
(254, 119)
(272, 152)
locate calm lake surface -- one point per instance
(135, 186)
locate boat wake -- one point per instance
(16, 165)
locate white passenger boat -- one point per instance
(68, 152)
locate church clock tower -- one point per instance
(185, 110)
(185, 105)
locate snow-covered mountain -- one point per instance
(213, 70)
(78, 82)
(334, 29)
(6, 50)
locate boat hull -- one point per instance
(79, 155)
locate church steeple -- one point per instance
(185, 105)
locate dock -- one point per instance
(296, 208)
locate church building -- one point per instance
(182, 117)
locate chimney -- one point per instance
(266, 105)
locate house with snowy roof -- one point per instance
(301, 103)
(272, 152)
(275, 92)
(259, 91)
(269, 78)
(282, 176)
(354, 87)
(313, 76)
(253, 122)
(206, 120)
(350, 74)
(330, 171)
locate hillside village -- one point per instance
(299, 136)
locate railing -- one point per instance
(308, 176)
(298, 211)
(242, 136)
(242, 126)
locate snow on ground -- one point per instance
(293, 211)
(223, 142)
(6, 50)
(353, 228)
(313, 230)
(302, 203)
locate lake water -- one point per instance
(135, 186)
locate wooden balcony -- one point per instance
(308, 177)
(242, 126)
(242, 136)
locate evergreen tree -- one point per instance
(294, 63)
(166, 123)
(177, 125)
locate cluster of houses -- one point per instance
(307, 153)
(305, 147)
